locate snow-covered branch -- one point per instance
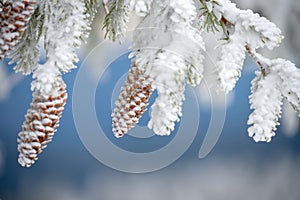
(167, 52)
(231, 61)
(116, 20)
(240, 28)
(158, 51)
(266, 100)
(14, 16)
(290, 77)
(64, 26)
(168, 63)
(27, 51)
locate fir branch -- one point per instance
(165, 58)
(91, 8)
(14, 17)
(172, 62)
(194, 59)
(66, 24)
(211, 18)
(194, 75)
(290, 76)
(285, 80)
(66, 27)
(253, 32)
(26, 54)
(115, 23)
(231, 61)
(170, 85)
(266, 100)
(268, 34)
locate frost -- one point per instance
(65, 26)
(116, 20)
(140, 7)
(290, 77)
(267, 33)
(170, 86)
(230, 63)
(266, 100)
(170, 62)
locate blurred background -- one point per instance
(237, 168)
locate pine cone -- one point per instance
(42, 121)
(14, 16)
(132, 101)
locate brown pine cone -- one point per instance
(42, 121)
(132, 101)
(14, 16)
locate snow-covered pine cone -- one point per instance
(14, 16)
(42, 121)
(132, 101)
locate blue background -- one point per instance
(66, 160)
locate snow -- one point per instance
(266, 100)
(266, 33)
(290, 76)
(171, 60)
(116, 20)
(46, 121)
(169, 50)
(231, 61)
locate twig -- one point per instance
(258, 60)
(256, 57)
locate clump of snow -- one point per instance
(266, 100)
